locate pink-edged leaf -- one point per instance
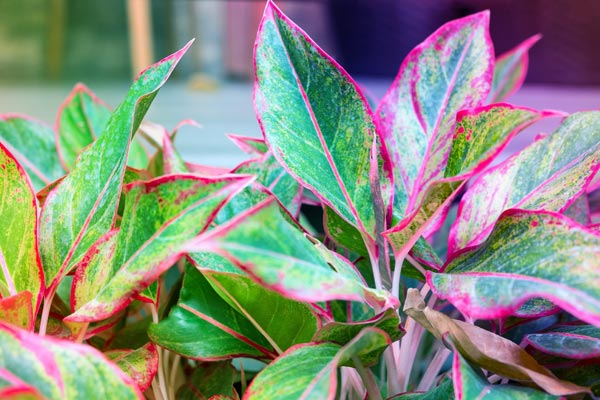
(206, 170)
(278, 255)
(204, 326)
(529, 254)
(140, 365)
(160, 218)
(451, 70)
(549, 174)
(210, 380)
(574, 342)
(510, 70)
(470, 384)
(486, 349)
(17, 310)
(83, 206)
(60, 369)
(310, 371)
(482, 133)
(250, 145)
(314, 118)
(20, 265)
(32, 143)
(81, 119)
(11, 387)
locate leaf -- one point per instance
(140, 365)
(485, 349)
(528, 254)
(81, 118)
(482, 133)
(277, 254)
(549, 174)
(444, 391)
(510, 70)
(209, 379)
(309, 371)
(451, 70)
(17, 310)
(32, 143)
(82, 207)
(203, 326)
(470, 385)
(20, 266)
(160, 218)
(314, 118)
(250, 145)
(62, 370)
(12, 387)
(574, 342)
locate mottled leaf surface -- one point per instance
(510, 70)
(310, 371)
(32, 143)
(83, 205)
(574, 342)
(451, 70)
(20, 266)
(160, 218)
(140, 365)
(17, 310)
(444, 391)
(529, 254)
(62, 370)
(314, 118)
(209, 379)
(549, 174)
(468, 384)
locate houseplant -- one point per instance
(116, 250)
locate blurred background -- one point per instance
(46, 46)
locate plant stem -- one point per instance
(46, 310)
(433, 369)
(399, 260)
(161, 372)
(81, 334)
(173, 375)
(368, 379)
(372, 250)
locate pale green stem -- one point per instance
(399, 260)
(371, 248)
(161, 372)
(173, 375)
(368, 379)
(81, 334)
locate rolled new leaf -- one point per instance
(83, 206)
(60, 369)
(20, 266)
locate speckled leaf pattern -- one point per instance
(574, 342)
(209, 379)
(482, 133)
(469, 384)
(83, 206)
(310, 371)
(20, 267)
(451, 70)
(277, 254)
(62, 370)
(81, 118)
(510, 70)
(528, 254)
(549, 174)
(140, 365)
(225, 332)
(32, 143)
(13, 388)
(17, 310)
(160, 217)
(314, 118)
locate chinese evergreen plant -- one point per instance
(129, 273)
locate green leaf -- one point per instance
(547, 175)
(470, 385)
(451, 70)
(510, 70)
(314, 118)
(83, 206)
(140, 365)
(81, 118)
(573, 342)
(209, 379)
(528, 254)
(20, 267)
(17, 310)
(444, 391)
(62, 370)
(204, 326)
(160, 218)
(249, 145)
(13, 388)
(32, 143)
(265, 244)
(310, 371)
